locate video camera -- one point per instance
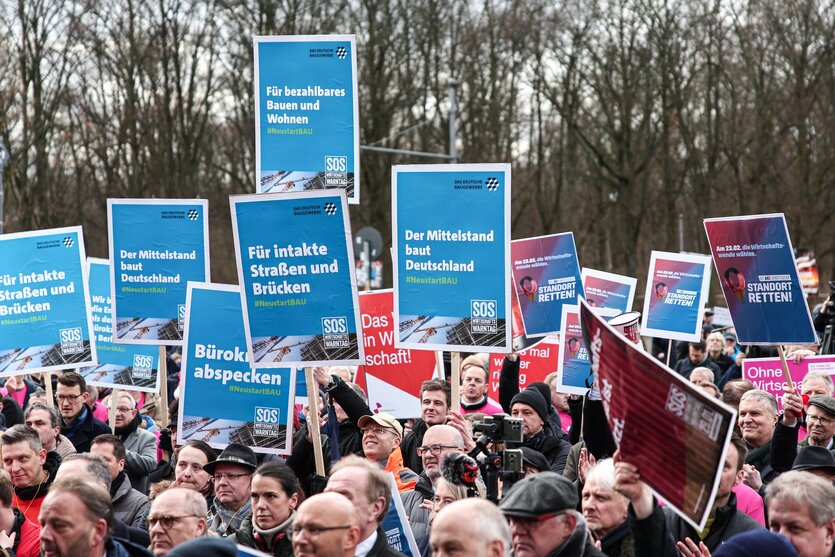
(505, 464)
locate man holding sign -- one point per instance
(661, 532)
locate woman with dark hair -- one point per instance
(190, 459)
(275, 496)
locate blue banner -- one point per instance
(757, 272)
(306, 114)
(121, 366)
(677, 288)
(45, 320)
(156, 247)
(451, 236)
(546, 276)
(396, 526)
(296, 267)
(574, 375)
(222, 399)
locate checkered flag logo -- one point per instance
(492, 184)
(69, 242)
(341, 52)
(330, 208)
(193, 214)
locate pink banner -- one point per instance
(767, 373)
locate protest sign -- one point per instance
(393, 375)
(546, 276)
(722, 317)
(306, 114)
(767, 373)
(677, 287)
(296, 268)
(45, 318)
(156, 247)
(608, 291)
(451, 232)
(535, 363)
(222, 399)
(396, 526)
(807, 270)
(670, 430)
(574, 370)
(757, 271)
(120, 366)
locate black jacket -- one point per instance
(301, 460)
(82, 436)
(657, 534)
(509, 388)
(619, 542)
(410, 444)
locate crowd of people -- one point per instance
(71, 486)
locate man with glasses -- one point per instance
(438, 441)
(232, 472)
(79, 425)
(140, 444)
(326, 525)
(820, 425)
(177, 515)
(541, 510)
(381, 435)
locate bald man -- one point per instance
(326, 525)
(473, 527)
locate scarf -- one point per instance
(266, 540)
(475, 406)
(226, 521)
(759, 457)
(117, 483)
(124, 432)
(69, 429)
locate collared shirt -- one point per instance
(365, 545)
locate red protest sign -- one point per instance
(393, 376)
(535, 363)
(674, 433)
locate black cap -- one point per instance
(543, 493)
(533, 398)
(234, 453)
(824, 402)
(814, 458)
(535, 458)
(730, 336)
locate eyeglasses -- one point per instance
(435, 449)
(123, 409)
(230, 477)
(314, 531)
(820, 419)
(167, 521)
(376, 430)
(67, 398)
(528, 524)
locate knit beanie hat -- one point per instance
(756, 543)
(533, 398)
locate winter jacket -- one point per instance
(129, 505)
(412, 501)
(409, 446)
(140, 458)
(82, 435)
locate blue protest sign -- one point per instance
(120, 366)
(296, 268)
(756, 268)
(156, 247)
(306, 114)
(574, 375)
(222, 399)
(677, 288)
(45, 320)
(546, 276)
(396, 526)
(451, 242)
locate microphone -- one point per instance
(459, 469)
